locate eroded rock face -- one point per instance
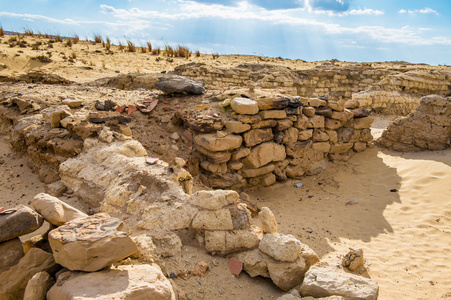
(123, 282)
(90, 244)
(18, 221)
(323, 280)
(54, 210)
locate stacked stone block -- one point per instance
(279, 138)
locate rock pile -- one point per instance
(426, 128)
(273, 139)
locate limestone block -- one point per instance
(213, 200)
(18, 221)
(320, 136)
(302, 122)
(269, 224)
(253, 263)
(240, 153)
(72, 103)
(16, 278)
(323, 280)
(11, 252)
(273, 114)
(213, 220)
(55, 114)
(38, 286)
(341, 147)
(332, 124)
(316, 122)
(295, 172)
(213, 143)
(250, 173)
(90, 244)
(305, 134)
(309, 255)
(343, 116)
(257, 136)
(281, 247)
(122, 282)
(263, 180)
(147, 250)
(333, 136)
(351, 104)
(298, 149)
(249, 119)
(309, 111)
(336, 106)
(359, 146)
(235, 165)
(321, 146)
(264, 154)
(56, 189)
(315, 102)
(244, 106)
(54, 210)
(214, 168)
(286, 275)
(230, 241)
(291, 135)
(214, 157)
(236, 126)
(265, 124)
(363, 123)
(283, 124)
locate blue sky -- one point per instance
(349, 30)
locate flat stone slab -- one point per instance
(90, 244)
(54, 210)
(179, 85)
(18, 221)
(214, 143)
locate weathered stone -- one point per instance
(332, 124)
(90, 244)
(335, 106)
(11, 252)
(235, 165)
(309, 255)
(178, 84)
(321, 146)
(361, 112)
(302, 122)
(281, 247)
(38, 286)
(16, 278)
(214, 157)
(220, 180)
(316, 122)
(38, 241)
(56, 189)
(341, 147)
(212, 143)
(333, 136)
(257, 136)
(240, 153)
(244, 106)
(269, 224)
(283, 124)
(323, 111)
(365, 135)
(54, 210)
(273, 114)
(298, 149)
(286, 275)
(72, 103)
(55, 114)
(265, 124)
(351, 104)
(290, 136)
(122, 282)
(295, 172)
(363, 123)
(359, 146)
(320, 136)
(213, 220)
(315, 102)
(343, 116)
(250, 173)
(264, 154)
(253, 263)
(147, 251)
(324, 280)
(278, 103)
(263, 180)
(214, 168)
(236, 126)
(305, 134)
(18, 221)
(203, 123)
(168, 243)
(249, 119)
(213, 200)
(309, 111)
(353, 259)
(231, 241)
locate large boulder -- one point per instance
(10, 253)
(323, 280)
(123, 282)
(54, 210)
(180, 84)
(90, 244)
(14, 281)
(18, 221)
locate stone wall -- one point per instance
(271, 139)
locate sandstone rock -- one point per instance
(236, 126)
(244, 106)
(90, 244)
(295, 172)
(286, 275)
(309, 255)
(214, 168)
(332, 124)
(365, 135)
(235, 165)
(16, 278)
(316, 122)
(250, 173)
(72, 103)
(269, 224)
(122, 282)
(351, 104)
(214, 200)
(226, 242)
(249, 119)
(309, 111)
(341, 147)
(273, 114)
(321, 146)
(179, 84)
(361, 112)
(214, 157)
(298, 149)
(257, 136)
(241, 153)
(343, 117)
(55, 114)
(362, 123)
(264, 154)
(147, 251)
(320, 136)
(315, 102)
(168, 243)
(253, 263)
(359, 146)
(305, 134)
(281, 247)
(38, 241)
(38, 286)
(213, 220)
(263, 180)
(333, 136)
(11, 252)
(353, 259)
(290, 136)
(54, 210)
(283, 124)
(56, 189)
(212, 143)
(241, 216)
(265, 124)
(335, 106)
(301, 123)
(220, 180)
(278, 103)
(323, 111)
(18, 221)
(323, 281)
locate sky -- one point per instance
(416, 31)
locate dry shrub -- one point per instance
(98, 39)
(168, 51)
(215, 55)
(69, 43)
(46, 35)
(143, 49)
(42, 58)
(130, 46)
(28, 32)
(197, 53)
(121, 47)
(108, 44)
(39, 35)
(73, 55)
(2, 32)
(58, 38)
(156, 51)
(149, 47)
(76, 39)
(182, 51)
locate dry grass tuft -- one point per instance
(73, 55)
(108, 44)
(58, 38)
(156, 51)
(98, 39)
(182, 51)
(69, 43)
(215, 55)
(75, 39)
(2, 32)
(28, 32)
(42, 58)
(149, 47)
(143, 49)
(197, 53)
(130, 46)
(168, 51)
(121, 47)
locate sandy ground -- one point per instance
(394, 206)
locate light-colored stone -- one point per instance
(351, 104)
(323, 280)
(332, 124)
(309, 255)
(214, 200)
(291, 135)
(123, 282)
(18, 221)
(147, 251)
(11, 252)
(280, 246)
(244, 106)
(335, 106)
(316, 122)
(54, 210)
(250, 173)
(56, 189)
(236, 126)
(257, 136)
(359, 146)
(213, 220)
(321, 146)
(265, 124)
(269, 224)
(295, 172)
(224, 242)
(341, 147)
(38, 286)
(90, 244)
(305, 134)
(241, 153)
(214, 168)
(308, 111)
(273, 114)
(320, 136)
(212, 143)
(286, 275)
(264, 154)
(302, 122)
(263, 180)
(72, 103)
(235, 165)
(315, 102)
(253, 263)
(14, 280)
(214, 157)
(55, 114)
(363, 123)
(353, 259)
(283, 124)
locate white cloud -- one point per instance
(426, 10)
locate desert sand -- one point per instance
(394, 206)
